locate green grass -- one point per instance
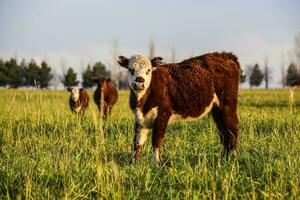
(47, 152)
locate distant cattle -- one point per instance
(79, 100)
(162, 93)
(295, 83)
(106, 90)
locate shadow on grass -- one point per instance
(123, 158)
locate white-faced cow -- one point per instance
(106, 90)
(79, 100)
(162, 93)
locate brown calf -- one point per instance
(163, 93)
(79, 100)
(110, 94)
(295, 83)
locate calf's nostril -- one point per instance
(140, 79)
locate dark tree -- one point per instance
(70, 78)
(23, 66)
(98, 70)
(87, 77)
(45, 75)
(32, 74)
(242, 76)
(14, 73)
(3, 74)
(292, 74)
(256, 76)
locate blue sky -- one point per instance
(76, 32)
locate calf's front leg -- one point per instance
(159, 130)
(140, 136)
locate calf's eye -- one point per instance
(148, 71)
(131, 71)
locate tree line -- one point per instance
(256, 76)
(14, 74)
(97, 70)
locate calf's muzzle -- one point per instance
(139, 83)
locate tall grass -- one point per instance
(47, 152)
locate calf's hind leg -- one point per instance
(109, 109)
(227, 122)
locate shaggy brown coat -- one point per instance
(110, 94)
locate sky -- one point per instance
(77, 32)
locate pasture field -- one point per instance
(46, 152)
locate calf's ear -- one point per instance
(156, 61)
(69, 89)
(123, 61)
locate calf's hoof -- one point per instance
(226, 153)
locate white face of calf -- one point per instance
(139, 72)
(74, 93)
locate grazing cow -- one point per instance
(79, 100)
(296, 83)
(110, 94)
(162, 93)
